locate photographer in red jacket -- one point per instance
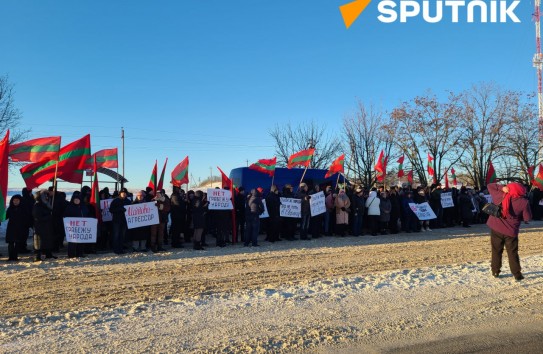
(504, 230)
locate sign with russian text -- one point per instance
(81, 230)
(219, 199)
(423, 211)
(141, 214)
(317, 203)
(291, 208)
(447, 200)
(104, 207)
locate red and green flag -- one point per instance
(36, 150)
(410, 177)
(538, 180)
(266, 166)
(431, 171)
(95, 192)
(400, 167)
(4, 153)
(161, 179)
(336, 167)
(107, 158)
(381, 167)
(453, 176)
(491, 174)
(180, 174)
(531, 170)
(446, 180)
(72, 162)
(152, 180)
(302, 158)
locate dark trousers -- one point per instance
(13, 249)
(498, 241)
(75, 249)
(358, 222)
(119, 234)
(375, 223)
(304, 225)
(274, 225)
(252, 223)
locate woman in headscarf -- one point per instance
(504, 230)
(17, 230)
(76, 209)
(44, 240)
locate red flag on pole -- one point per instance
(36, 150)
(302, 158)
(381, 167)
(410, 177)
(491, 174)
(95, 193)
(446, 180)
(4, 152)
(531, 170)
(180, 174)
(538, 180)
(400, 167)
(161, 179)
(107, 158)
(152, 180)
(266, 166)
(453, 176)
(336, 166)
(226, 182)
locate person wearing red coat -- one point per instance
(505, 229)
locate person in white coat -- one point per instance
(374, 212)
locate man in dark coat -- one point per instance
(27, 203)
(44, 240)
(505, 229)
(240, 212)
(117, 209)
(17, 230)
(273, 205)
(178, 216)
(252, 218)
(465, 206)
(303, 195)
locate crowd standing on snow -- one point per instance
(184, 217)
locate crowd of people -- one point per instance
(185, 219)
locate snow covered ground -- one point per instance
(437, 306)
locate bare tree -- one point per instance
(289, 140)
(427, 126)
(365, 138)
(10, 116)
(485, 118)
(522, 137)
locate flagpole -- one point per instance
(303, 175)
(54, 186)
(337, 182)
(273, 178)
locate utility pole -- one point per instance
(122, 139)
(538, 64)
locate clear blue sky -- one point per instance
(209, 79)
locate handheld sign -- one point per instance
(81, 230)
(265, 214)
(317, 203)
(219, 199)
(291, 208)
(447, 200)
(104, 207)
(423, 211)
(142, 214)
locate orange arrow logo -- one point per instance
(352, 10)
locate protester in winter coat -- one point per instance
(162, 203)
(374, 212)
(139, 235)
(466, 207)
(504, 230)
(76, 209)
(422, 197)
(44, 240)
(435, 204)
(303, 195)
(253, 209)
(329, 217)
(198, 211)
(273, 205)
(395, 210)
(288, 225)
(17, 230)
(410, 220)
(385, 208)
(117, 209)
(342, 204)
(27, 203)
(178, 216)
(317, 222)
(240, 200)
(359, 207)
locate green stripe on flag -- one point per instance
(37, 169)
(35, 148)
(181, 174)
(3, 202)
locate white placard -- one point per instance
(265, 214)
(488, 198)
(447, 200)
(317, 203)
(81, 230)
(291, 208)
(104, 207)
(219, 199)
(141, 214)
(423, 211)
